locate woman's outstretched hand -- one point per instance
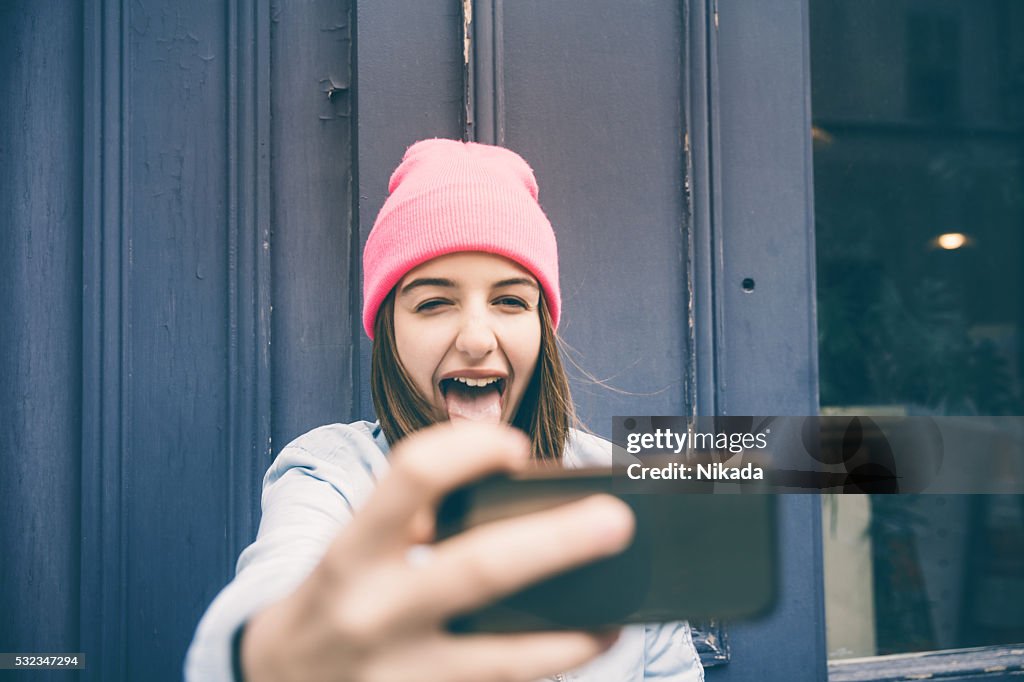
(374, 609)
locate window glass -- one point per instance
(918, 109)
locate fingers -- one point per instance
(485, 563)
(524, 657)
(425, 466)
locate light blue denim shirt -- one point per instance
(312, 489)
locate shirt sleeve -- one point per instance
(309, 493)
(670, 654)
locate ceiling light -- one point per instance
(951, 241)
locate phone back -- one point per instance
(694, 556)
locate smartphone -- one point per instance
(693, 556)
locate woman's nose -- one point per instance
(476, 337)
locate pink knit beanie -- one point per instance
(448, 196)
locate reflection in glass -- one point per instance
(919, 205)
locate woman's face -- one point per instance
(467, 330)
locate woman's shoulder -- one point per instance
(335, 452)
(333, 440)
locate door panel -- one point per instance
(598, 114)
(765, 349)
(40, 326)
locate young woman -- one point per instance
(461, 299)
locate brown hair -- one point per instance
(545, 413)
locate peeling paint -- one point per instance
(467, 25)
(333, 88)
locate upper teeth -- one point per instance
(476, 382)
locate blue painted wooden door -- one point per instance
(186, 189)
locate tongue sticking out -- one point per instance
(481, 404)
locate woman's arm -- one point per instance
(309, 494)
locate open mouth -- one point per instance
(474, 399)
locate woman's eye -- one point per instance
(513, 302)
(432, 304)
